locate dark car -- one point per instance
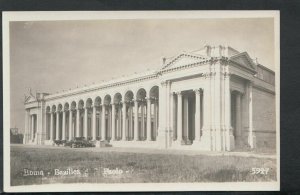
(80, 142)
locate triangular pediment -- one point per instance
(30, 98)
(182, 60)
(244, 60)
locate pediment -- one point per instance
(182, 60)
(244, 60)
(30, 98)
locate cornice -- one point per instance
(264, 89)
(163, 71)
(182, 55)
(105, 86)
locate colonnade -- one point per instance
(31, 126)
(121, 121)
(183, 115)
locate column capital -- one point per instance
(165, 83)
(105, 105)
(178, 93)
(122, 103)
(149, 99)
(227, 75)
(198, 91)
(250, 83)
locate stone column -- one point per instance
(149, 119)
(162, 132)
(124, 121)
(103, 123)
(119, 124)
(130, 122)
(77, 122)
(155, 118)
(136, 122)
(51, 126)
(167, 96)
(171, 117)
(57, 125)
(113, 121)
(197, 115)
(251, 137)
(157, 114)
(186, 116)
(218, 106)
(70, 124)
(179, 117)
(238, 117)
(26, 128)
(85, 123)
(64, 126)
(94, 121)
(32, 127)
(140, 119)
(229, 134)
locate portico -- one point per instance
(201, 100)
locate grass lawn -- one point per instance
(132, 167)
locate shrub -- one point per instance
(80, 142)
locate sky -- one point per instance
(52, 56)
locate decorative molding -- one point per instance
(197, 91)
(178, 93)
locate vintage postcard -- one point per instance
(141, 101)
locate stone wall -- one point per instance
(264, 118)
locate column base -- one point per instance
(97, 143)
(252, 141)
(206, 140)
(178, 142)
(49, 142)
(161, 138)
(231, 143)
(104, 143)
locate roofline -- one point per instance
(106, 84)
(263, 67)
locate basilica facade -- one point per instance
(215, 98)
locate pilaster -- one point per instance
(149, 119)
(113, 128)
(70, 124)
(124, 121)
(162, 129)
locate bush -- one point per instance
(80, 142)
(59, 142)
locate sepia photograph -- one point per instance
(141, 101)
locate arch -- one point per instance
(59, 107)
(97, 101)
(117, 98)
(89, 103)
(73, 105)
(48, 109)
(141, 94)
(54, 108)
(107, 99)
(129, 96)
(80, 104)
(154, 92)
(66, 106)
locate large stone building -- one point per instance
(215, 98)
